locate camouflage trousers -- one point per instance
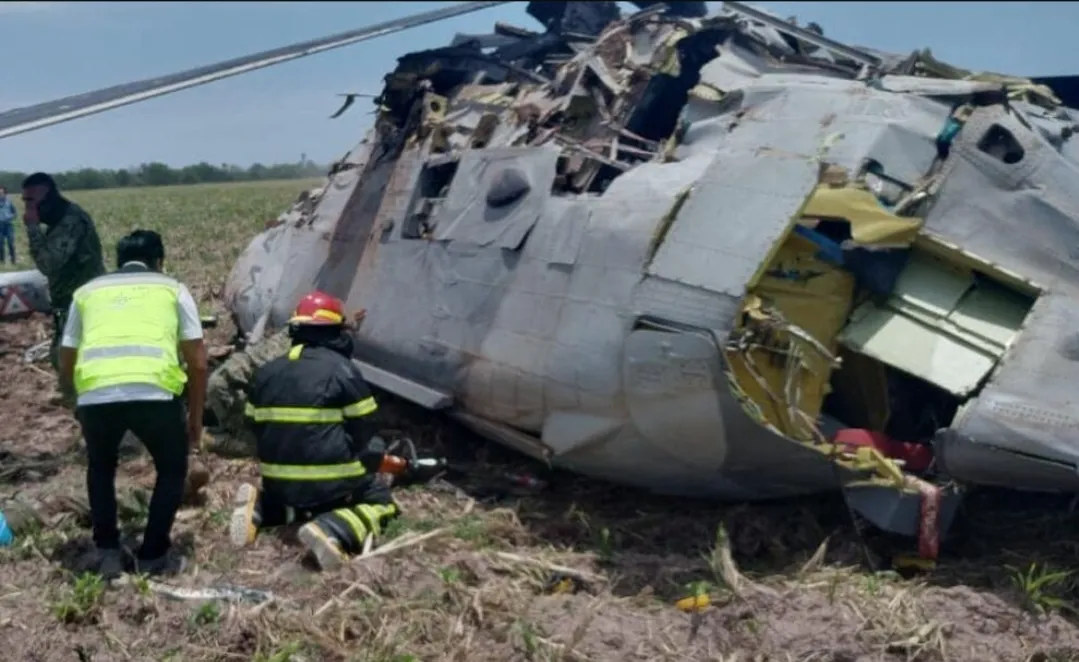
(226, 394)
(59, 321)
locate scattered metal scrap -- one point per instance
(584, 86)
(222, 592)
(38, 352)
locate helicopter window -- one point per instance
(562, 183)
(999, 142)
(497, 196)
(434, 185)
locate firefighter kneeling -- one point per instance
(312, 415)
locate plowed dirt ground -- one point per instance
(463, 575)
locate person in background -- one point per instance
(122, 341)
(67, 250)
(7, 225)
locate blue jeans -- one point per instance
(7, 238)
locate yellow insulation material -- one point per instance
(870, 223)
(694, 603)
(779, 361)
(1020, 88)
(812, 295)
(671, 64)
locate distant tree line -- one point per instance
(159, 174)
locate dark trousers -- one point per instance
(349, 520)
(7, 239)
(160, 427)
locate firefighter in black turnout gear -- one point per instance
(313, 417)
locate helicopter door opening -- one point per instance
(856, 320)
(781, 349)
(911, 358)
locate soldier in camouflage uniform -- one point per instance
(226, 393)
(67, 251)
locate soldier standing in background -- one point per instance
(67, 250)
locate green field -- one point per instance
(205, 227)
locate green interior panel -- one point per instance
(940, 324)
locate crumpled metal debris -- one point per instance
(223, 592)
(37, 353)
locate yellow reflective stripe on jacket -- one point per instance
(313, 472)
(364, 407)
(293, 414)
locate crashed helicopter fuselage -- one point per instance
(718, 256)
(683, 252)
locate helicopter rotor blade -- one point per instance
(38, 116)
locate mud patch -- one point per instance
(35, 421)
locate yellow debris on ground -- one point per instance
(694, 603)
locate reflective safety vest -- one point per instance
(311, 415)
(130, 330)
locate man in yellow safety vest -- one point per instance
(119, 352)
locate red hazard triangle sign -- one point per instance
(14, 304)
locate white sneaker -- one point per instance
(243, 523)
(327, 551)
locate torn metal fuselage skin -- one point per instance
(679, 253)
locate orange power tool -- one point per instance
(406, 470)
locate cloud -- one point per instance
(27, 7)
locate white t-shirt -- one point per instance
(190, 329)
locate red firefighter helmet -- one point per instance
(318, 308)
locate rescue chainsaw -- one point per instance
(418, 470)
(410, 468)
